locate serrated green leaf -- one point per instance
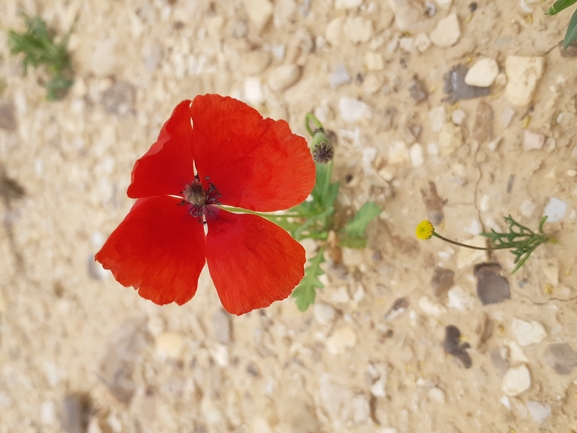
(305, 293)
(559, 5)
(356, 228)
(571, 34)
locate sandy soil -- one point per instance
(78, 352)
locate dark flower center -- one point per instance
(199, 198)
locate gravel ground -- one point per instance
(407, 336)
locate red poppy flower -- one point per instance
(215, 150)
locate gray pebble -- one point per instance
(492, 288)
(456, 88)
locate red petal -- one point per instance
(254, 163)
(252, 261)
(167, 167)
(159, 249)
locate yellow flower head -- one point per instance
(425, 230)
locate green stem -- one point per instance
(467, 246)
(308, 118)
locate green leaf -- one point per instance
(571, 34)
(352, 242)
(305, 293)
(357, 226)
(559, 6)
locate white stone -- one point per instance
(220, 354)
(255, 62)
(352, 110)
(532, 140)
(253, 93)
(431, 308)
(358, 29)
(422, 42)
(416, 154)
(104, 61)
(372, 84)
(437, 395)
(459, 299)
(450, 138)
(468, 256)
(523, 74)
(555, 210)
(507, 116)
(406, 44)
(539, 411)
(484, 203)
(378, 388)
(398, 152)
(259, 12)
(348, 4)
(447, 32)
(334, 31)
(323, 313)
(516, 380)
(48, 413)
(284, 77)
(361, 409)
(170, 345)
(458, 116)
(284, 10)
(409, 16)
(516, 355)
(528, 332)
(339, 76)
(444, 4)
(342, 339)
(374, 61)
(340, 295)
(437, 118)
(527, 208)
(482, 73)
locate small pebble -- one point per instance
(259, 12)
(453, 346)
(458, 116)
(418, 90)
(482, 73)
(324, 313)
(450, 138)
(459, 299)
(516, 380)
(437, 118)
(560, 357)
(555, 210)
(348, 4)
(527, 332)
(527, 208)
(532, 140)
(358, 29)
(340, 340)
(374, 61)
(398, 308)
(170, 345)
(334, 31)
(456, 88)
(437, 395)
(255, 62)
(507, 116)
(398, 152)
(352, 110)
(284, 77)
(75, 413)
(523, 75)
(433, 202)
(406, 44)
(447, 32)
(431, 308)
(483, 125)
(516, 355)
(409, 15)
(119, 98)
(416, 154)
(442, 281)
(422, 42)
(372, 84)
(468, 256)
(492, 288)
(339, 76)
(539, 411)
(253, 92)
